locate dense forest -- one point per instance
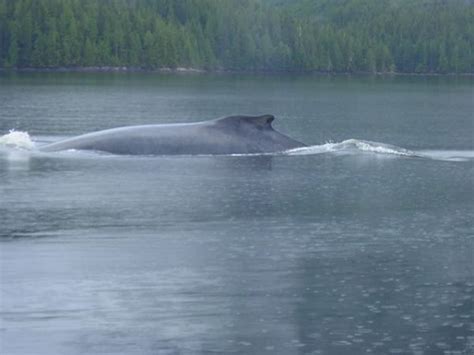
(412, 36)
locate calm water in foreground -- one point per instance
(351, 247)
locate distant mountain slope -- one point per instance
(423, 36)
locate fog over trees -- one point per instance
(412, 36)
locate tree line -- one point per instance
(422, 36)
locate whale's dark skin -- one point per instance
(229, 135)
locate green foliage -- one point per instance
(423, 36)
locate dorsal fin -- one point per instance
(263, 121)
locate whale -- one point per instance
(238, 134)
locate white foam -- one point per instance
(17, 139)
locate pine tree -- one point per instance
(12, 57)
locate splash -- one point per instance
(17, 139)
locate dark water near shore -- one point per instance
(351, 247)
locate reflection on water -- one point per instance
(15, 160)
(354, 252)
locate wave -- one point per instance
(353, 145)
(22, 141)
(448, 155)
(356, 146)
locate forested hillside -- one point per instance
(423, 36)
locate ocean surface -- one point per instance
(361, 243)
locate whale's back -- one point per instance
(229, 135)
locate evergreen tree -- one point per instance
(12, 58)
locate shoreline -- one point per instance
(185, 70)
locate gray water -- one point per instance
(350, 247)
